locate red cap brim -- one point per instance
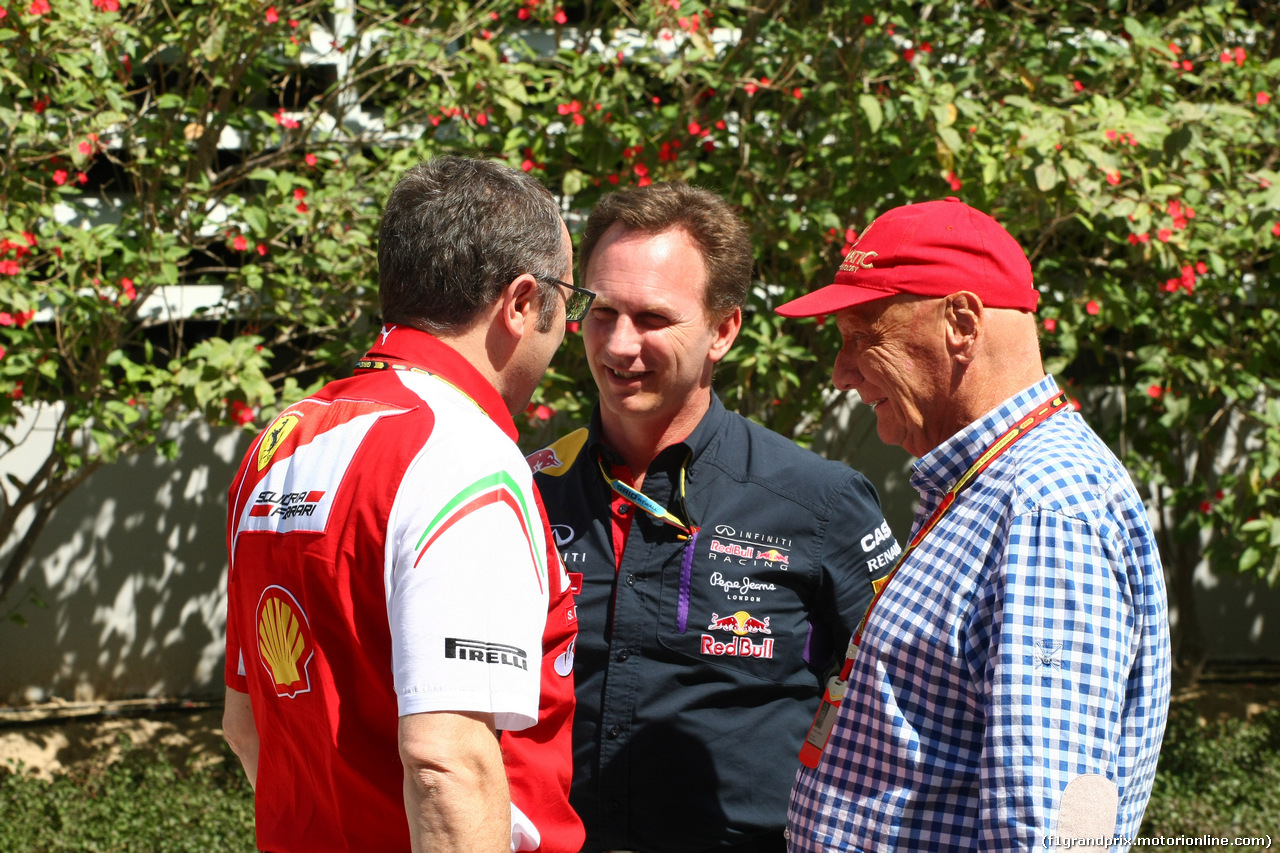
(830, 299)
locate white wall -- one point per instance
(133, 568)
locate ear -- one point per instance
(963, 319)
(520, 305)
(726, 332)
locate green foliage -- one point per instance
(1129, 147)
(1216, 778)
(140, 803)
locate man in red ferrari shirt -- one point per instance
(400, 629)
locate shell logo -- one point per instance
(285, 646)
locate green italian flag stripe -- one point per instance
(495, 488)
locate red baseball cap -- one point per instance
(935, 248)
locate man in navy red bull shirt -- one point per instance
(719, 564)
(399, 623)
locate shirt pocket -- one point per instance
(736, 613)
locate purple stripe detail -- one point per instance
(686, 576)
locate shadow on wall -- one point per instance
(133, 568)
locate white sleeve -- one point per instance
(466, 583)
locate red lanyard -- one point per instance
(820, 730)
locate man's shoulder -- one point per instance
(753, 455)
(1065, 467)
(747, 450)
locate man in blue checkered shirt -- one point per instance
(1011, 685)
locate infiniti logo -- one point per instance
(725, 530)
(563, 534)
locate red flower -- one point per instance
(1262, 98)
(908, 54)
(60, 176)
(694, 128)
(1113, 178)
(560, 17)
(1050, 324)
(578, 119)
(1275, 229)
(1206, 507)
(1155, 392)
(1091, 307)
(751, 88)
(127, 289)
(262, 250)
(1202, 268)
(241, 413)
(1239, 56)
(1077, 85)
(797, 93)
(1133, 239)
(38, 7)
(868, 20)
(1164, 234)
(953, 181)
(573, 327)
(299, 193)
(39, 104)
(240, 243)
(272, 16)
(302, 207)
(1111, 134)
(310, 159)
(1225, 57)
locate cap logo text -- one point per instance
(858, 260)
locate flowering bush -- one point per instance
(247, 147)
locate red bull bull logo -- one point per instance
(737, 647)
(773, 555)
(544, 458)
(740, 623)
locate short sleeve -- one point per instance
(467, 585)
(859, 547)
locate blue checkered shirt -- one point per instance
(1025, 642)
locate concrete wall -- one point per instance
(133, 569)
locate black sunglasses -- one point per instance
(577, 303)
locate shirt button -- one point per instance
(614, 732)
(631, 580)
(624, 654)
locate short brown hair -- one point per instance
(707, 218)
(455, 232)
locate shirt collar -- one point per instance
(421, 349)
(939, 469)
(697, 441)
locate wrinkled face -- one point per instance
(895, 356)
(649, 341)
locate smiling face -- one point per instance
(649, 341)
(895, 356)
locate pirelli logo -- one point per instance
(475, 650)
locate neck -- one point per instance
(639, 442)
(478, 345)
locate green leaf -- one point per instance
(870, 107)
(1046, 176)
